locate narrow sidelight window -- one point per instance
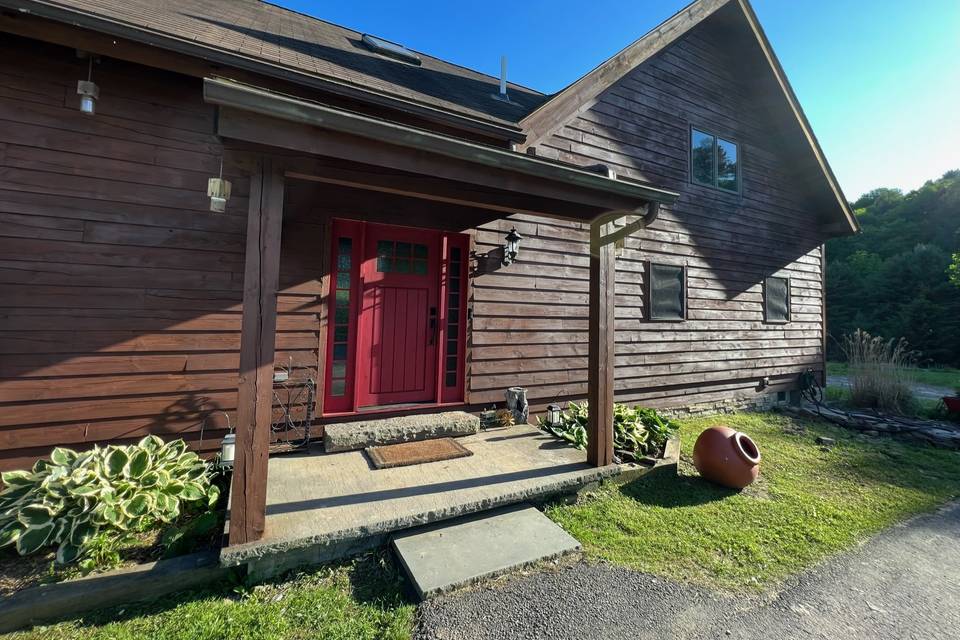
(714, 162)
(667, 292)
(776, 300)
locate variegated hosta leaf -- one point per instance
(67, 553)
(192, 491)
(149, 479)
(17, 478)
(112, 515)
(35, 515)
(151, 443)
(114, 462)
(137, 506)
(81, 531)
(34, 538)
(137, 464)
(10, 532)
(63, 457)
(213, 495)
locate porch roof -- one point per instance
(599, 193)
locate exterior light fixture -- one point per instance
(227, 449)
(88, 91)
(219, 191)
(511, 247)
(553, 415)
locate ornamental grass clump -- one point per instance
(637, 431)
(880, 372)
(74, 499)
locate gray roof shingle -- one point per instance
(305, 44)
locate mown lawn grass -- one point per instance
(357, 600)
(807, 505)
(935, 377)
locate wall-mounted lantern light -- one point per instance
(511, 247)
(553, 415)
(88, 91)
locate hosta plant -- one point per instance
(637, 431)
(70, 499)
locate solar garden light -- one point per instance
(553, 415)
(227, 450)
(511, 247)
(88, 91)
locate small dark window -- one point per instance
(776, 300)
(714, 162)
(668, 292)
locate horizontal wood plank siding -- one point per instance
(530, 319)
(120, 293)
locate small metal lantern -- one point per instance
(227, 450)
(511, 247)
(488, 419)
(219, 191)
(553, 415)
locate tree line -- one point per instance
(901, 276)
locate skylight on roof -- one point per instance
(390, 49)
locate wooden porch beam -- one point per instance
(600, 349)
(430, 188)
(257, 337)
(305, 138)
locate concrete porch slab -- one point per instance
(457, 553)
(325, 506)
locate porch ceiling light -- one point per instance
(511, 247)
(88, 91)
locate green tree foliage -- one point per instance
(897, 278)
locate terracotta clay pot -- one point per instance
(727, 457)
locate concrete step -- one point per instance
(349, 436)
(457, 553)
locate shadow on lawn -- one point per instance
(667, 491)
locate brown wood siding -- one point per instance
(530, 319)
(120, 292)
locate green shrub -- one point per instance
(637, 431)
(73, 500)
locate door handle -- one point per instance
(432, 327)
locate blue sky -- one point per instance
(879, 80)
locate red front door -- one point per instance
(399, 316)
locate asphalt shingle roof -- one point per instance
(293, 40)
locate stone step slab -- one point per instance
(457, 553)
(350, 436)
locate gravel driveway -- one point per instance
(905, 583)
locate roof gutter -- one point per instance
(228, 93)
(220, 57)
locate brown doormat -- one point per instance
(402, 455)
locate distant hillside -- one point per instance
(894, 279)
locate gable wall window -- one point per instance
(666, 292)
(776, 300)
(714, 161)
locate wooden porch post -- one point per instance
(600, 352)
(259, 323)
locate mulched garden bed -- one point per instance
(20, 572)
